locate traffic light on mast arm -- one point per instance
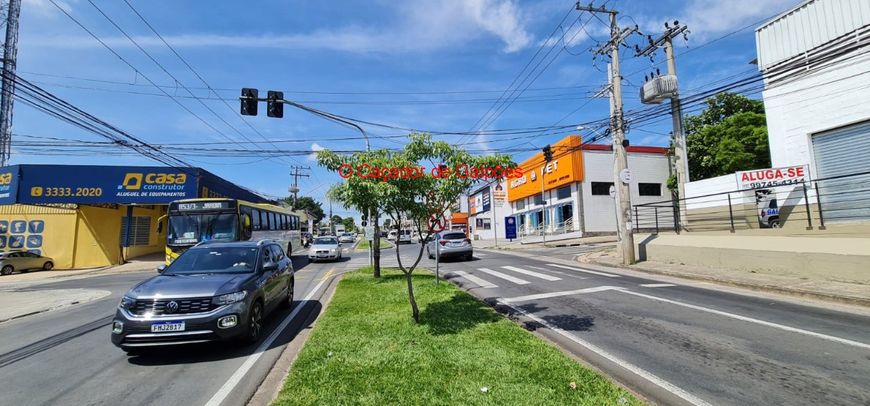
(275, 104)
(249, 101)
(548, 153)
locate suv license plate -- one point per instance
(167, 326)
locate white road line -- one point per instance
(657, 285)
(497, 274)
(252, 359)
(609, 275)
(751, 320)
(531, 273)
(688, 397)
(557, 294)
(480, 282)
(480, 255)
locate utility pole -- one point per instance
(10, 56)
(621, 174)
(295, 188)
(679, 137)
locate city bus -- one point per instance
(192, 221)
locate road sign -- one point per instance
(625, 175)
(370, 232)
(438, 225)
(510, 227)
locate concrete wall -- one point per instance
(831, 98)
(600, 211)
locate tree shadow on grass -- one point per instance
(460, 312)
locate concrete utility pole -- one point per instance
(680, 146)
(621, 175)
(10, 55)
(295, 188)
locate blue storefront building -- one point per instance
(89, 215)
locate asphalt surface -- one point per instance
(65, 357)
(674, 343)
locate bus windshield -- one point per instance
(189, 229)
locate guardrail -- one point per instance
(811, 205)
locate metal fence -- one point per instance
(809, 205)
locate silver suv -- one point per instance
(214, 291)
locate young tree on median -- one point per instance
(415, 198)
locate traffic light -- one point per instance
(249, 101)
(275, 104)
(548, 153)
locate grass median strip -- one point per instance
(364, 244)
(367, 350)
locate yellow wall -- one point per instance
(78, 238)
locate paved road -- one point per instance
(676, 343)
(64, 357)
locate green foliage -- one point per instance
(335, 219)
(413, 198)
(387, 223)
(730, 135)
(349, 224)
(363, 351)
(308, 204)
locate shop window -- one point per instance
(649, 189)
(539, 199)
(521, 204)
(563, 192)
(601, 188)
(140, 230)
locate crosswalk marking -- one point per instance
(480, 282)
(532, 273)
(609, 275)
(497, 274)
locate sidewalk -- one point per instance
(504, 244)
(819, 288)
(25, 294)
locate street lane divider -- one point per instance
(751, 320)
(649, 376)
(532, 273)
(599, 273)
(252, 359)
(557, 294)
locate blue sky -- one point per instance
(473, 48)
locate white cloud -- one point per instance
(710, 18)
(437, 25)
(44, 8)
(314, 147)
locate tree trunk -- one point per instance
(376, 246)
(415, 312)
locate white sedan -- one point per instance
(324, 248)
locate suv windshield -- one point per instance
(325, 241)
(215, 260)
(187, 229)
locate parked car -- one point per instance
(347, 238)
(450, 244)
(768, 209)
(393, 235)
(23, 261)
(213, 291)
(324, 248)
(404, 236)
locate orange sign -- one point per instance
(566, 167)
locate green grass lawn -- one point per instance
(364, 244)
(365, 349)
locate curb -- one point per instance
(762, 288)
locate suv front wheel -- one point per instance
(255, 323)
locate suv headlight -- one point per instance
(127, 302)
(231, 297)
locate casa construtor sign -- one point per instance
(93, 184)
